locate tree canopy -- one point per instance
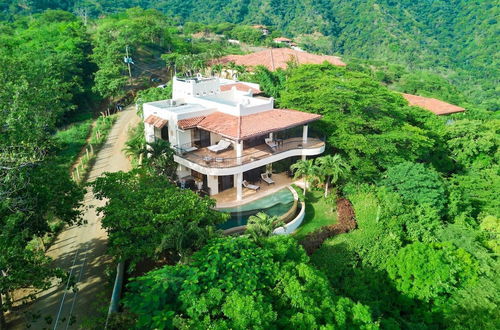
(372, 127)
(148, 217)
(236, 283)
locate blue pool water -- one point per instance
(276, 204)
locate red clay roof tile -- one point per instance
(282, 39)
(431, 104)
(261, 123)
(275, 58)
(241, 87)
(190, 122)
(156, 121)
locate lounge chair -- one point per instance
(220, 146)
(272, 144)
(266, 178)
(250, 186)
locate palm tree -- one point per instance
(231, 68)
(136, 143)
(331, 168)
(159, 157)
(217, 69)
(304, 168)
(240, 69)
(171, 61)
(262, 225)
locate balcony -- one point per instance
(259, 155)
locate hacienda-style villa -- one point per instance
(225, 135)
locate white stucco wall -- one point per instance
(294, 224)
(194, 88)
(214, 138)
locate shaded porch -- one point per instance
(228, 197)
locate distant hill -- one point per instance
(460, 35)
(456, 38)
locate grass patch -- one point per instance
(71, 141)
(319, 212)
(98, 137)
(337, 256)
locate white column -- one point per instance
(213, 184)
(239, 151)
(304, 134)
(183, 171)
(149, 132)
(238, 181)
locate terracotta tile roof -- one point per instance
(241, 87)
(190, 122)
(156, 121)
(431, 104)
(261, 123)
(275, 58)
(282, 39)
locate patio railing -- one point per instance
(211, 159)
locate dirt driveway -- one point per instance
(81, 251)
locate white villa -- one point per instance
(224, 135)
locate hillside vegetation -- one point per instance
(424, 188)
(453, 38)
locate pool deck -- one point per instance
(227, 198)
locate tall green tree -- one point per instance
(148, 217)
(432, 271)
(417, 184)
(370, 126)
(134, 29)
(236, 283)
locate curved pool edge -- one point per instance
(294, 224)
(288, 228)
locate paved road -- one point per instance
(81, 250)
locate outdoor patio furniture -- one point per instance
(279, 142)
(272, 144)
(266, 178)
(189, 149)
(250, 186)
(220, 146)
(207, 159)
(199, 185)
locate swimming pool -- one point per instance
(277, 204)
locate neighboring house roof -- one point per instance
(241, 87)
(244, 127)
(431, 104)
(190, 122)
(282, 39)
(156, 121)
(275, 58)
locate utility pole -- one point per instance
(128, 60)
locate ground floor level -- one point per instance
(229, 190)
(228, 197)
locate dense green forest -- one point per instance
(424, 188)
(455, 39)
